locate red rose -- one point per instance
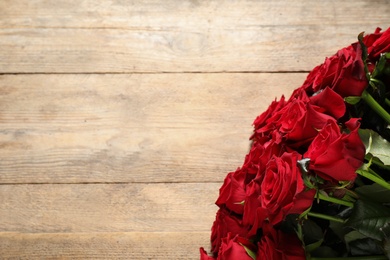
(204, 255)
(225, 223)
(260, 121)
(369, 39)
(254, 214)
(329, 102)
(325, 101)
(260, 153)
(343, 72)
(232, 193)
(335, 155)
(295, 124)
(232, 247)
(276, 245)
(256, 161)
(279, 192)
(381, 44)
(281, 187)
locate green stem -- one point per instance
(381, 165)
(334, 200)
(327, 217)
(374, 178)
(375, 106)
(387, 101)
(377, 257)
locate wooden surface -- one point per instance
(120, 119)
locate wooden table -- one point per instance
(120, 119)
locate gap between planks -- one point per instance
(155, 73)
(112, 183)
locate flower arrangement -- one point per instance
(316, 181)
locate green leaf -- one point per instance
(376, 145)
(352, 236)
(386, 242)
(386, 248)
(324, 252)
(369, 218)
(250, 252)
(365, 246)
(312, 232)
(380, 65)
(373, 176)
(364, 54)
(353, 100)
(374, 192)
(310, 248)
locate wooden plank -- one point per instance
(137, 245)
(195, 15)
(81, 208)
(167, 36)
(254, 49)
(130, 128)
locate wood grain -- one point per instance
(130, 245)
(263, 49)
(194, 14)
(215, 36)
(130, 128)
(120, 119)
(80, 208)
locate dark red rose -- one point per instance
(281, 186)
(381, 44)
(257, 160)
(369, 39)
(279, 192)
(276, 245)
(260, 153)
(232, 247)
(225, 223)
(254, 214)
(260, 121)
(335, 155)
(329, 102)
(343, 72)
(232, 193)
(295, 124)
(204, 255)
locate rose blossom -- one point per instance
(283, 191)
(260, 121)
(257, 160)
(232, 247)
(329, 102)
(204, 255)
(232, 193)
(295, 124)
(260, 153)
(254, 214)
(380, 43)
(343, 72)
(224, 223)
(335, 155)
(276, 245)
(280, 192)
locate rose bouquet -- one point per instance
(315, 183)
